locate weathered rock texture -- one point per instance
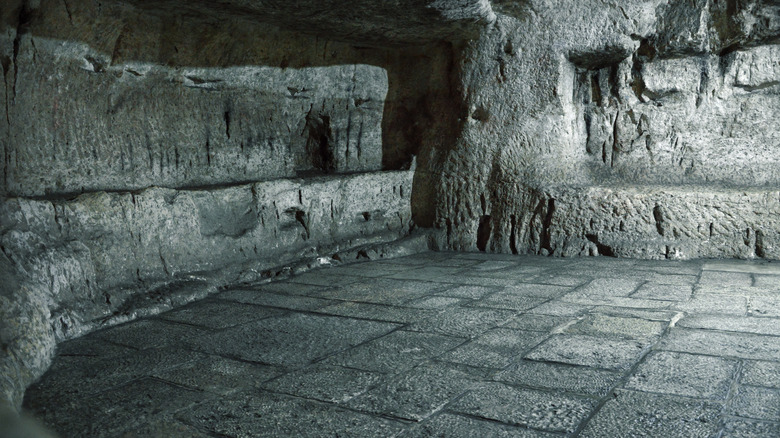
(642, 129)
(153, 150)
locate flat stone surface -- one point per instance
(587, 350)
(758, 403)
(554, 376)
(748, 428)
(361, 354)
(395, 352)
(524, 407)
(458, 426)
(760, 373)
(713, 343)
(630, 413)
(415, 394)
(684, 374)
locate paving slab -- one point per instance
(395, 352)
(525, 407)
(629, 413)
(415, 394)
(593, 351)
(255, 414)
(464, 345)
(559, 377)
(295, 339)
(761, 373)
(756, 402)
(459, 426)
(684, 374)
(740, 345)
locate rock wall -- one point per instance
(154, 151)
(642, 129)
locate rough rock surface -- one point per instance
(645, 129)
(147, 145)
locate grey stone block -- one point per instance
(746, 428)
(530, 321)
(631, 413)
(684, 374)
(270, 299)
(219, 314)
(523, 407)
(395, 352)
(559, 377)
(760, 373)
(415, 394)
(755, 402)
(378, 312)
(218, 375)
(742, 345)
(761, 326)
(268, 341)
(268, 414)
(590, 351)
(151, 333)
(324, 383)
(458, 426)
(664, 292)
(598, 324)
(463, 321)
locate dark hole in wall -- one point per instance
(319, 146)
(483, 232)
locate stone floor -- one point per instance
(442, 344)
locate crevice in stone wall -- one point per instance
(319, 142)
(484, 231)
(546, 241)
(603, 249)
(513, 234)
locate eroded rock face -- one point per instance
(646, 129)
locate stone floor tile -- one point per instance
(426, 273)
(537, 290)
(579, 298)
(612, 287)
(626, 327)
(465, 322)
(327, 277)
(325, 383)
(458, 426)
(371, 270)
(684, 374)
(415, 394)
(270, 299)
(593, 351)
(508, 299)
(384, 291)
(496, 348)
(725, 278)
(271, 341)
(107, 415)
(767, 281)
(540, 323)
(264, 414)
(729, 323)
(664, 292)
(735, 427)
(761, 373)
(435, 302)
(559, 377)
(668, 279)
(764, 306)
(151, 333)
(741, 345)
(395, 352)
(287, 288)
(219, 375)
(750, 266)
(378, 312)
(561, 280)
(525, 407)
(648, 314)
(755, 402)
(708, 303)
(635, 414)
(476, 280)
(494, 265)
(559, 308)
(218, 314)
(473, 292)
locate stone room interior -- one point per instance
(374, 218)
